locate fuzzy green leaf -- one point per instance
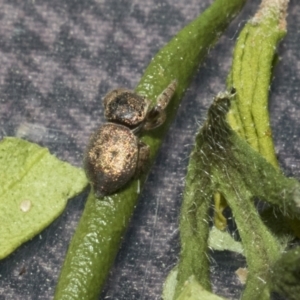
(34, 189)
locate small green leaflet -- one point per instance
(34, 189)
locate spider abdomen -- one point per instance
(111, 159)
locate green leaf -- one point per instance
(222, 240)
(170, 285)
(192, 290)
(34, 189)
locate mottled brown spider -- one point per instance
(114, 153)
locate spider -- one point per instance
(115, 153)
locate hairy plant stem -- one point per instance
(251, 74)
(224, 162)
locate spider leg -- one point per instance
(164, 98)
(155, 118)
(143, 159)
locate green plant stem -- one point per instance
(224, 162)
(181, 57)
(95, 244)
(194, 225)
(251, 73)
(260, 247)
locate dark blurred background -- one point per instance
(58, 58)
